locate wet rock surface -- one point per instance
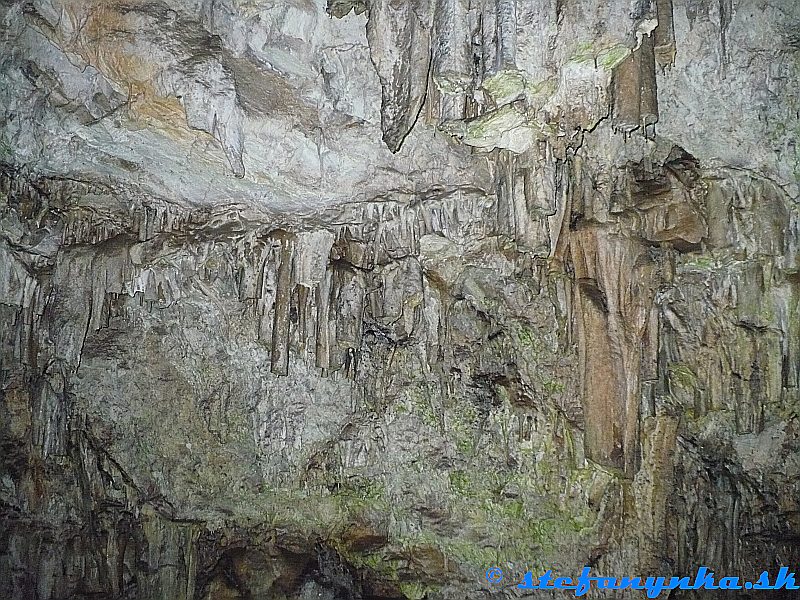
(355, 301)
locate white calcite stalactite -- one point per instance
(452, 68)
(312, 278)
(515, 217)
(525, 199)
(396, 304)
(149, 219)
(501, 80)
(250, 272)
(267, 298)
(113, 274)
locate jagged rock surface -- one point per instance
(354, 301)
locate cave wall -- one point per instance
(360, 303)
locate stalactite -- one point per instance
(301, 299)
(648, 375)
(400, 39)
(265, 303)
(627, 94)
(648, 111)
(201, 375)
(563, 199)
(323, 343)
(506, 217)
(279, 355)
(50, 414)
(379, 274)
(613, 304)
(635, 91)
(452, 56)
(488, 38)
(347, 312)
(250, 271)
(664, 33)
(506, 57)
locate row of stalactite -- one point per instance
(459, 59)
(313, 293)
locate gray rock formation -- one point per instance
(355, 301)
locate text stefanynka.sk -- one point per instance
(704, 579)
